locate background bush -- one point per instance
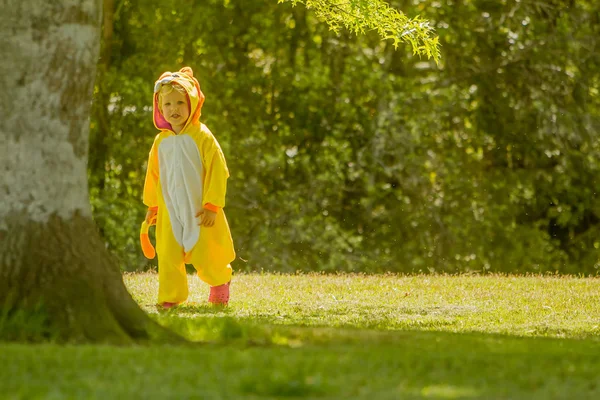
(347, 155)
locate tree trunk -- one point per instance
(102, 138)
(56, 277)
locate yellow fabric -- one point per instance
(213, 252)
(150, 198)
(210, 257)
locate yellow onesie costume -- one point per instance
(186, 173)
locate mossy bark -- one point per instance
(62, 270)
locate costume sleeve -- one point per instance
(151, 184)
(216, 174)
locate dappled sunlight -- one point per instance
(444, 391)
(522, 306)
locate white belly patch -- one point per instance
(180, 169)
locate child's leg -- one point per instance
(214, 276)
(212, 255)
(172, 279)
(219, 280)
(172, 276)
(213, 252)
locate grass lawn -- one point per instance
(341, 337)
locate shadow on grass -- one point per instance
(192, 309)
(311, 363)
(207, 324)
(419, 365)
(429, 364)
(203, 322)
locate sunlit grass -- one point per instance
(563, 307)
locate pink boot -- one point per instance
(166, 305)
(219, 295)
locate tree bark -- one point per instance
(54, 268)
(100, 141)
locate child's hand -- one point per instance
(151, 216)
(207, 217)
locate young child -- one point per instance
(184, 191)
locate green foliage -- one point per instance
(26, 325)
(349, 154)
(360, 16)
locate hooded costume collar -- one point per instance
(185, 78)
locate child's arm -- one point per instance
(151, 183)
(215, 181)
(215, 177)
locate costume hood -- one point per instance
(185, 78)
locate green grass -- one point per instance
(341, 337)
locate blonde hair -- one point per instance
(166, 89)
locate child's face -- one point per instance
(175, 108)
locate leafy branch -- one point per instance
(358, 16)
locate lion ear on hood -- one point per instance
(188, 71)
